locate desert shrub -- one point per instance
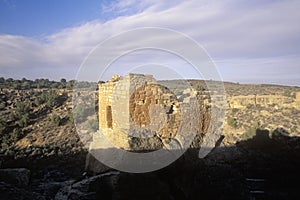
(287, 93)
(42, 83)
(13, 137)
(3, 124)
(4, 139)
(21, 113)
(22, 107)
(39, 101)
(250, 106)
(16, 86)
(10, 80)
(49, 98)
(200, 88)
(16, 135)
(57, 85)
(251, 131)
(70, 84)
(63, 83)
(232, 122)
(84, 84)
(55, 120)
(235, 110)
(12, 116)
(70, 118)
(23, 120)
(26, 85)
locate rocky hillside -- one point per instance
(41, 156)
(37, 122)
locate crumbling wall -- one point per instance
(155, 110)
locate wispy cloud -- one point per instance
(129, 7)
(276, 70)
(241, 32)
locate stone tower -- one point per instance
(135, 106)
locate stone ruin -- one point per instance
(135, 106)
(138, 114)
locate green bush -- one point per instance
(39, 101)
(232, 122)
(55, 120)
(56, 85)
(23, 120)
(3, 124)
(52, 98)
(16, 86)
(21, 113)
(70, 84)
(70, 118)
(287, 93)
(200, 88)
(251, 131)
(13, 137)
(16, 135)
(12, 116)
(23, 107)
(26, 85)
(49, 98)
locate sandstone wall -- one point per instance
(112, 95)
(105, 103)
(154, 110)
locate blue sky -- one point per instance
(250, 41)
(35, 18)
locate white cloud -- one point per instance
(229, 30)
(280, 70)
(127, 7)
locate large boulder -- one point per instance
(116, 185)
(96, 187)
